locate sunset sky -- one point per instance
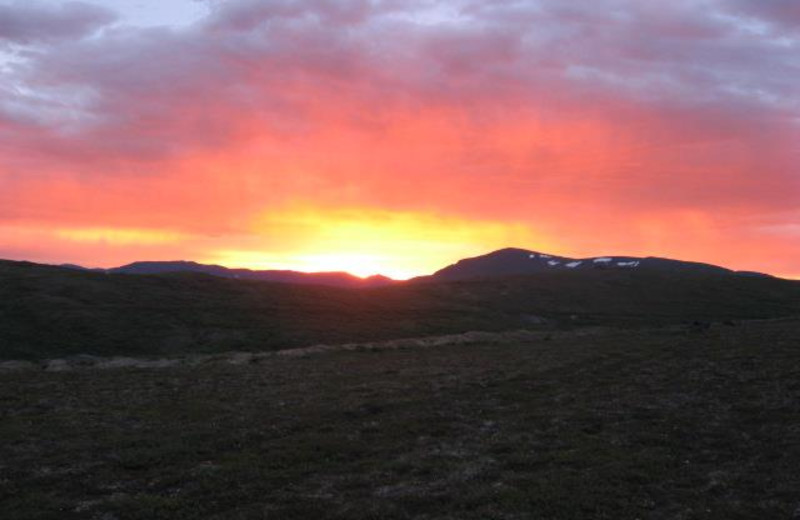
(397, 136)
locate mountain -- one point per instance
(501, 263)
(336, 279)
(515, 262)
(49, 311)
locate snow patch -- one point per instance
(602, 260)
(546, 256)
(553, 262)
(532, 255)
(573, 265)
(633, 263)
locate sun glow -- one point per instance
(366, 242)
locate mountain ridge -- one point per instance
(50, 311)
(510, 261)
(332, 278)
(513, 261)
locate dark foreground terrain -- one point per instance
(49, 311)
(671, 423)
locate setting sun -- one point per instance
(367, 242)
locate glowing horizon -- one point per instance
(396, 138)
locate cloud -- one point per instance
(245, 15)
(31, 21)
(583, 119)
(783, 13)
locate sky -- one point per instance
(397, 136)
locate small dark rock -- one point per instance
(699, 326)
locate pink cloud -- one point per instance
(32, 21)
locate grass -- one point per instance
(618, 424)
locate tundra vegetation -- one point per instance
(598, 395)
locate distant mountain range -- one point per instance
(337, 279)
(186, 308)
(500, 263)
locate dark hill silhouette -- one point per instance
(337, 279)
(497, 264)
(48, 311)
(512, 261)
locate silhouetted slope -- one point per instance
(50, 311)
(504, 262)
(512, 261)
(338, 279)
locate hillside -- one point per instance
(336, 279)
(48, 311)
(501, 263)
(513, 261)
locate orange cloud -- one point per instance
(117, 236)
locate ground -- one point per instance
(669, 423)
